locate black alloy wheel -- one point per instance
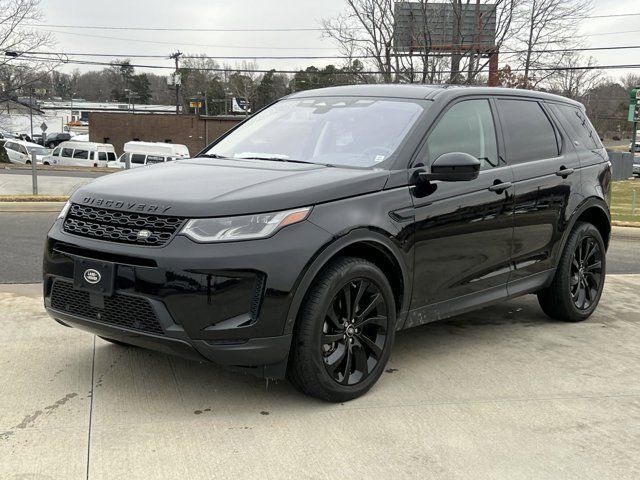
(354, 332)
(579, 279)
(344, 333)
(586, 273)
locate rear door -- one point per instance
(546, 173)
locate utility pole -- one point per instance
(176, 57)
(31, 110)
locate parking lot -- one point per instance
(500, 393)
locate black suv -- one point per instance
(55, 139)
(299, 242)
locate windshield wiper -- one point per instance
(214, 155)
(288, 160)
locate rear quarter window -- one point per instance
(578, 126)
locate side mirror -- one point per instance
(453, 167)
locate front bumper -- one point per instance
(226, 303)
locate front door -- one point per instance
(463, 230)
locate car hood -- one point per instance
(218, 187)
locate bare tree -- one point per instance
(19, 40)
(367, 30)
(575, 76)
(630, 81)
(545, 26)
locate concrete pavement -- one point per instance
(503, 393)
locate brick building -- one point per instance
(193, 131)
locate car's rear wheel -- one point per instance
(579, 279)
(345, 331)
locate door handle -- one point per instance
(500, 187)
(564, 172)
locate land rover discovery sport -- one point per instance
(298, 243)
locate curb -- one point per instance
(15, 207)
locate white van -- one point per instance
(20, 151)
(147, 153)
(82, 154)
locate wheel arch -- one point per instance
(595, 211)
(368, 245)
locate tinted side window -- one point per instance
(466, 127)
(137, 158)
(67, 152)
(578, 126)
(529, 134)
(10, 146)
(82, 154)
(102, 155)
(56, 152)
(111, 156)
(151, 159)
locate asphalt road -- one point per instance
(22, 239)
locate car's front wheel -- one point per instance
(345, 331)
(579, 280)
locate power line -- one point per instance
(312, 57)
(346, 72)
(179, 29)
(184, 43)
(609, 33)
(242, 29)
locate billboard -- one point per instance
(425, 25)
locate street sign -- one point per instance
(195, 104)
(43, 127)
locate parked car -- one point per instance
(147, 153)
(55, 139)
(636, 166)
(20, 151)
(81, 154)
(301, 241)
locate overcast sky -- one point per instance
(262, 14)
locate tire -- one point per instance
(52, 145)
(563, 299)
(116, 342)
(337, 360)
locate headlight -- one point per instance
(65, 209)
(246, 227)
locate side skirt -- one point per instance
(475, 301)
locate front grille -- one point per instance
(120, 310)
(122, 227)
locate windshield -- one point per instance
(341, 131)
(39, 150)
